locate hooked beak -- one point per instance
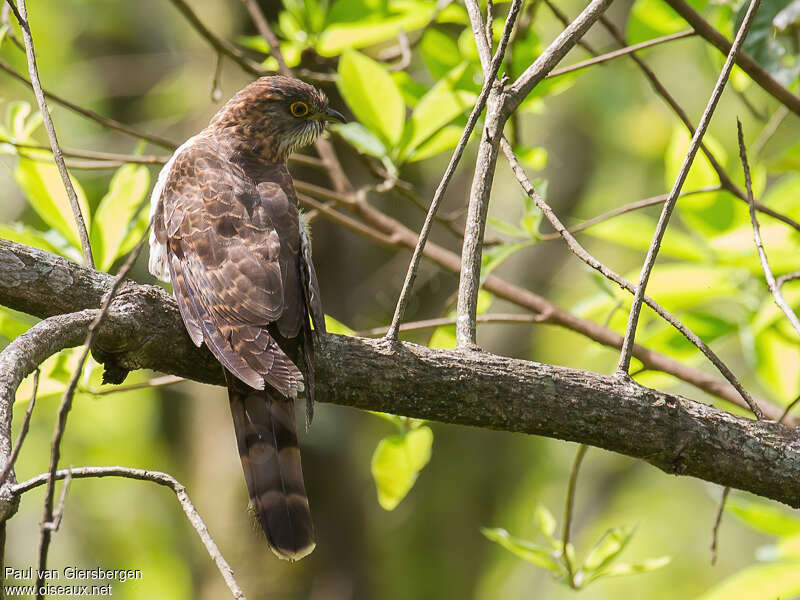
(333, 115)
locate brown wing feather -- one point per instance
(230, 265)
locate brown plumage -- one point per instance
(227, 233)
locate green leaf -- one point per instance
(114, 220)
(396, 464)
(759, 582)
(763, 516)
(778, 364)
(635, 230)
(496, 255)
(361, 138)
(436, 109)
(42, 185)
(13, 323)
(541, 556)
(544, 521)
(337, 327)
(648, 564)
(372, 95)
(23, 234)
(653, 18)
(443, 140)
(443, 337)
(439, 52)
(534, 157)
(411, 90)
(507, 228)
(374, 30)
(608, 547)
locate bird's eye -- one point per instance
(298, 109)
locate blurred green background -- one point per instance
(599, 138)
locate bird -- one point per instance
(228, 234)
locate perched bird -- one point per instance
(228, 234)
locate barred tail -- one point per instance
(266, 435)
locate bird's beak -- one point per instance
(333, 115)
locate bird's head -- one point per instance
(276, 115)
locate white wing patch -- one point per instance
(157, 265)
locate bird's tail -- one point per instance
(266, 435)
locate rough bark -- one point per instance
(677, 435)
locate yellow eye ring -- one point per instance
(298, 109)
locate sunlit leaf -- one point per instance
(496, 255)
(619, 570)
(341, 36)
(652, 18)
(763, 516)
(541, 556)
(608, 547)
(23, 234)
(116, 214)
(635, 230)
(396, 464)
(361, 138)
(44, 189)
(13, 323)
(544, 521)
(445, 139)
(759, 582)
(372, 95)
(337, 327)
(534, 157)
(439, 52)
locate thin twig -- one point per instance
(579, 251)
(639, 204)
(774, 289)
(390, 233)
(443, 321)
(66, 405)
(23, 430)
(748, 65)
(564, 19)
(155, 382)
(266, 32)
(488, 82)
(788, 277)
(21, 14)
(621, 52)
(669, 205)
(90, 114)
(159, 478)
(788, 409)
(568, 510)
(769, 129)
(58, 513)
(717, 522)
(660, 89)
(220, 45)
(498, 108)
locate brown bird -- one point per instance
(228, 234)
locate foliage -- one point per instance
(408, 117)
(600, 561)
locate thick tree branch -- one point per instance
(143, 330)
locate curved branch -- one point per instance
(144, 330)
(160, 478)
(21, 358)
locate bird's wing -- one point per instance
(224, 258)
